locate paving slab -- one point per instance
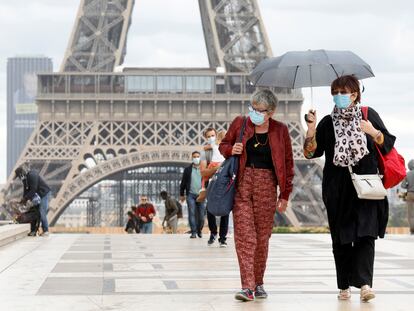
(162, 272)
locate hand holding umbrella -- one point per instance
(310, 117)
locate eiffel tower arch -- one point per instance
(94, 122)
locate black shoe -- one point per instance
(259, 292)
(200, 235)
(212, 239)
(223, 244)
(193, 236)
(33, 233)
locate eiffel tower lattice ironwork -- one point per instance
(87, 113)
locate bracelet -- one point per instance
(379, 138)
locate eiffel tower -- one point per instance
(94, 122)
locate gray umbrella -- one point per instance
(309, 69)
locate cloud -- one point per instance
(385, 43)
(349, 8)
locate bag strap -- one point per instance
(242, 130)
(364, 112)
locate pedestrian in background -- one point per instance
(171, 212)
(408, 183)
(145, 213)
(34, 184)
(211, 158)
(131, 223)
(189, 189)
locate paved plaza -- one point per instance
(167, 272)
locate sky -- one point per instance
(167, 33)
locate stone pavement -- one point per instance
(167, 272)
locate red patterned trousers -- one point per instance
(253, 213)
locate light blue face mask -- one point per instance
(256, 117)
(196, 161)
(342, 101)
(212, 140)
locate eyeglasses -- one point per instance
(251, 109)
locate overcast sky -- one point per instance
(168, 33)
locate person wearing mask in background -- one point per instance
(408, 183)
(171, 212)
(33, 184)
(211, 160)
(265, 164)
(347, 139)
(189, 189)
(145, 213)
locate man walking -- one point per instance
(34, 184)
(210, 162)
(145, 214)
(189, 188)
(408, 183)
(171, 212)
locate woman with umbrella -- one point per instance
(347, 139)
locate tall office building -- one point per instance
(21, 107)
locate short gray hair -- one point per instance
(267, 97)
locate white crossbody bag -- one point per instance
(368, 187)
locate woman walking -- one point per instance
(347, 139)
(265, 162)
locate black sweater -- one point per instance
(34, 184)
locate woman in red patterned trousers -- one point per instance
(265, 163)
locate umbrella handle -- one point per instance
(306, 118)
(311, 107)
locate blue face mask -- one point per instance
(342, 101)
(256, 117)
(212, 140)
(196, 161)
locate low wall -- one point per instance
(12, 232)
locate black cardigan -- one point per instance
(185, 184)
(350, 217)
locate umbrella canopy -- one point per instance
(309, 69)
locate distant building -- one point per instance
(75, 216)
(21, 108)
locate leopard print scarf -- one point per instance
(350, 140)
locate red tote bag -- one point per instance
(391, 165)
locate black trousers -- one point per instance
(224, 225)
(354, 263)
